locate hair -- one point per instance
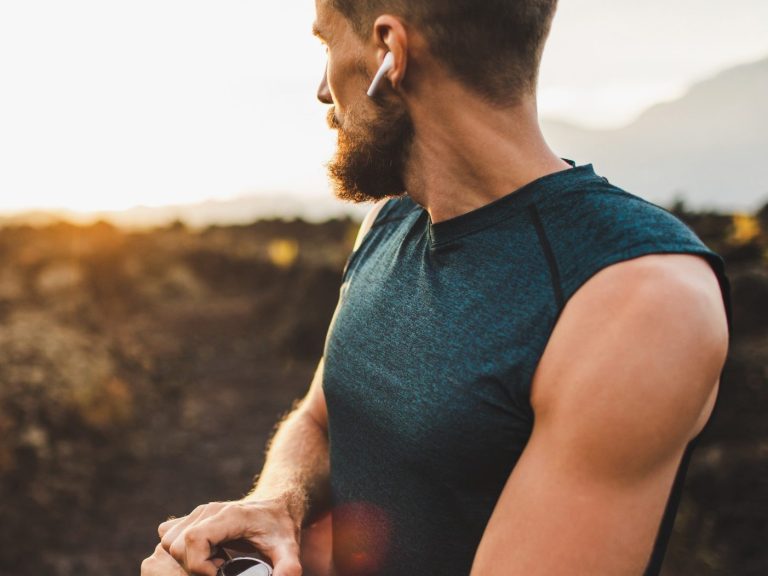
(492, 46)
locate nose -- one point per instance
(323, 92)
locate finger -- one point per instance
(174, 528)
(167, 525)
(287, 568)
(285, 559)
(146, 567)
(161, 564)
(178, 524)
(200, 539)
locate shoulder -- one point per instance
(627, 380)
(599, 225)
(639, 348)
(368, 221)
(599, 213)
(387, 209)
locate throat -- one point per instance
(453, 186)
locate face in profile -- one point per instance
(371, 152)
(374, 135)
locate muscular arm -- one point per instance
(292, 487)
(628, 378)
(294, 479)
(297, 465)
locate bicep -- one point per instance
(627, 379)
(556, 516)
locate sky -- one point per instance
(106, 105)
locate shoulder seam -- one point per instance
(384, 216)
(554, 271)
(388, 220)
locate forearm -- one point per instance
(297, 467)
(293, 483)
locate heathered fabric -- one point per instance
(430, 357)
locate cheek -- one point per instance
(346, 80)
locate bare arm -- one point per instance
(295, 476)
(292, 487)
(297, 466)
(628, 378)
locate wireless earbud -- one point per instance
(386, 66)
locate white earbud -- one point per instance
(386, 66)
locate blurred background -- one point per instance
(170, 252)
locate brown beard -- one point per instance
(370, 159)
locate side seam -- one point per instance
(554, 271)
(670, 512)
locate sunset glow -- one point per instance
(108, 106)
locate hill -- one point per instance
(707, 147)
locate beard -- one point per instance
(371, 153)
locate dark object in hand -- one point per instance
(245, 562)
(245, 566)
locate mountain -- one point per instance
(707, 147)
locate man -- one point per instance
(522, 354)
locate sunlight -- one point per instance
(108, 106)
(745, 229)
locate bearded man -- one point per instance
(522, 356)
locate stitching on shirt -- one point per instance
(377, 223)
(506, 215)
(387, 219)
(554, 272)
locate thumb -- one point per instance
(286, 560)
(202, 539)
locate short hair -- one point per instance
(492, 46)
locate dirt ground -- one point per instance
(141, 374)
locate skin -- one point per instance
(590, 488)
(295, 476)
(650, 334)
(466, 153)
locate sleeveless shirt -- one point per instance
(432, 350)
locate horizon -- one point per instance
(183, 103)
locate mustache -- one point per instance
(333, 121)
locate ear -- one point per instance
(389, 35)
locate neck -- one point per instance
(466, 156)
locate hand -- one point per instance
(161, 564)
(266, 524)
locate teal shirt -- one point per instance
(431, 353)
